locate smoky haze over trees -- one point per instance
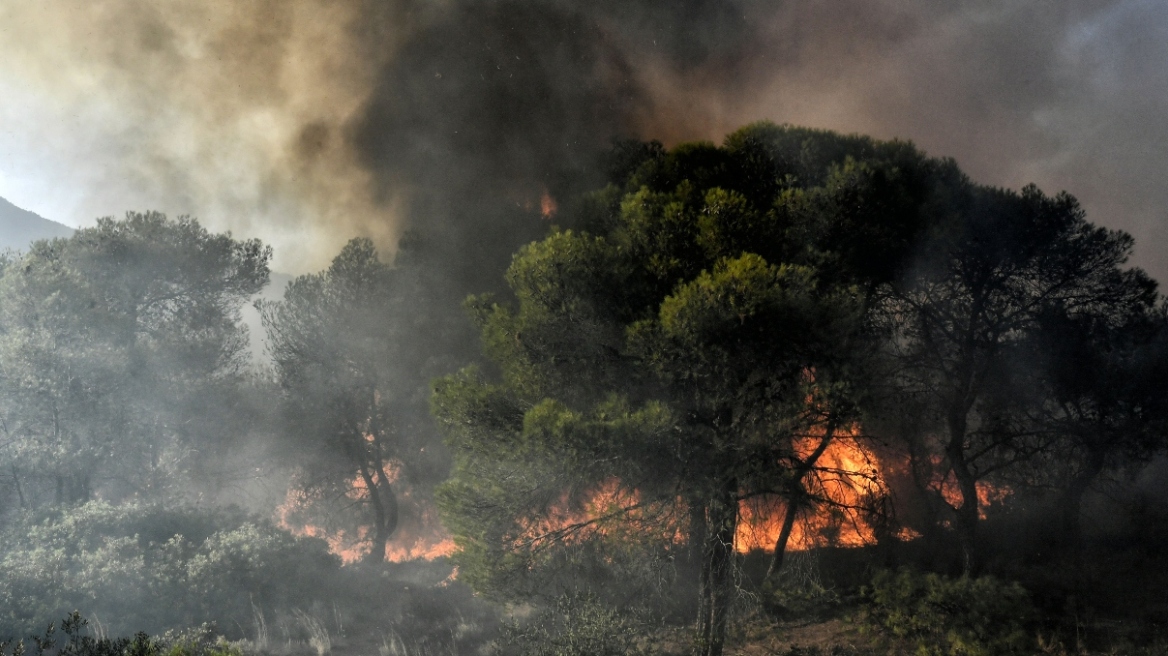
(324, 118)
(1009, 266)
(340, 344)
(121, 345)
(699, 336)
(719, 328)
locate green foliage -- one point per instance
(578, 625)
(338, 353)
(75, 642)
(121, 357)
(798, 590)
(669, 350)
(951, 617)
(137, 567)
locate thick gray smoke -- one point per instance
(306, 122)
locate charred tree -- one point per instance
(797, 499)
(964, 325)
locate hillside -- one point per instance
(19, 228)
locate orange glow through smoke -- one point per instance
(847, 474)
(987, 494)
(419, 535)
(547, 205)
(610, 509)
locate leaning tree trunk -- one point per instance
(795, 496)
(717, 571)
(784, 537)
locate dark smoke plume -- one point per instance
(307, 121)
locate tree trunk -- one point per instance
(690, 565)
(781, 543)
(967, 515)
(388, 524)
(697, 534)
(704, 628)
(19, 491)
(717, 571)
(385, 514)
(795, 495)
(1071, 529)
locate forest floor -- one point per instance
(838, 636)
(811, 637)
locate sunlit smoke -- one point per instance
(307, 122)
(233, 112)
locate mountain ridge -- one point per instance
(19, 228)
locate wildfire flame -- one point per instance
(419, 535)
(987, 493)
(610, 509)
(846, 479)
(547, 205)
(846, 475)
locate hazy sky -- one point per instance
(306, 122)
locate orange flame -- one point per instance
(987, 493)
(610, 509)
(419, 535)
(847, 474)
(547, 205)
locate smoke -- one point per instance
(228, 111)
(307, 122)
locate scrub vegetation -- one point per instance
(799, 393)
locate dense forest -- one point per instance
(703, 396)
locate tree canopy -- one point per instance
(708, 315)
(115, 344)
(720, 314)
(340, 357)
(996, 278)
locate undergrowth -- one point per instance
(943, 616)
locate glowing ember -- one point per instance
(547, 205)
(987, 494)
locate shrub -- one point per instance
(577, 625)
(798, 590)
(951, 617)
(134, 567)
(71, 641)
